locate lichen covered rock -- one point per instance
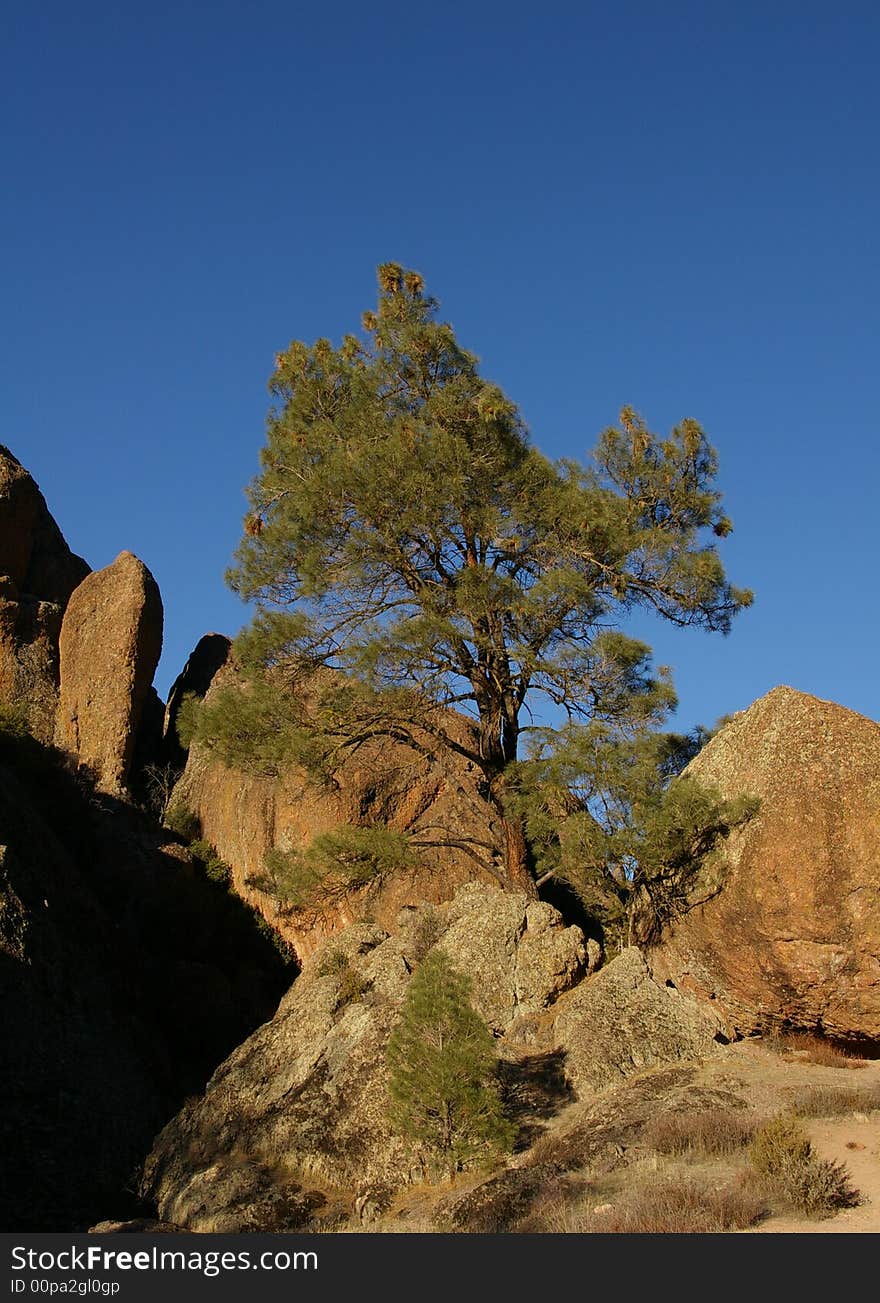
(620, 1022)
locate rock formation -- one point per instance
(245, 816)
(300, 1108)
(623, 1022)
(111, 640)
(793, 936)
(292, 1127)
(208, 657)
(38, 572)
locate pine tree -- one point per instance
(610, 813)
(405, 532)
(442, 1062)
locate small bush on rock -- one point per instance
(182, 820)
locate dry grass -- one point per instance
(836, 1101)
(681, 1206)
(713, 1131)
(555, 1217)
(385, 1226)
(810, 1048)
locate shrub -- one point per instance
(13, 722)
(710, 1131)
(783, 1158)
(186, 723)
(216, 869)
(333, 963)
(352, 985)
(817, 1188)
(426, 932)
(269, 933)
(336, 863)
(811, 1048)
(181, 819)
(779, 1142)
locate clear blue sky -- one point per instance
(670, 205)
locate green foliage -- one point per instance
(442, 1063)
(352, 985)
(607, 811)
(258, 725)
(216, 869)
(404, 531)
(334, 864)
(333, 963)
(182, 820)
(13, 723)
(265, 930)
(186, 722)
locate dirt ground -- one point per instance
(769, 1081)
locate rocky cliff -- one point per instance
(125, 976)
(439, 801)
(109, 647)
(38, 573)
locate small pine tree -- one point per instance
(442, 1061)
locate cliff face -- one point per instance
(438, 801)
(125, 977)
(78, 649)
(292, 1129)
(793, 936)
(296, 1118)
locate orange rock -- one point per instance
(244, 817)
(793, 936)
(111, 640)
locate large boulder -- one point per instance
(38, 572)
(297, 1115)
(111, 640)
(793, 935)
(438, 799)
(621, 1022)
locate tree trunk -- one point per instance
(499, 734)
(516, 857)
(517, 873)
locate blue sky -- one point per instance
(673, 206)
